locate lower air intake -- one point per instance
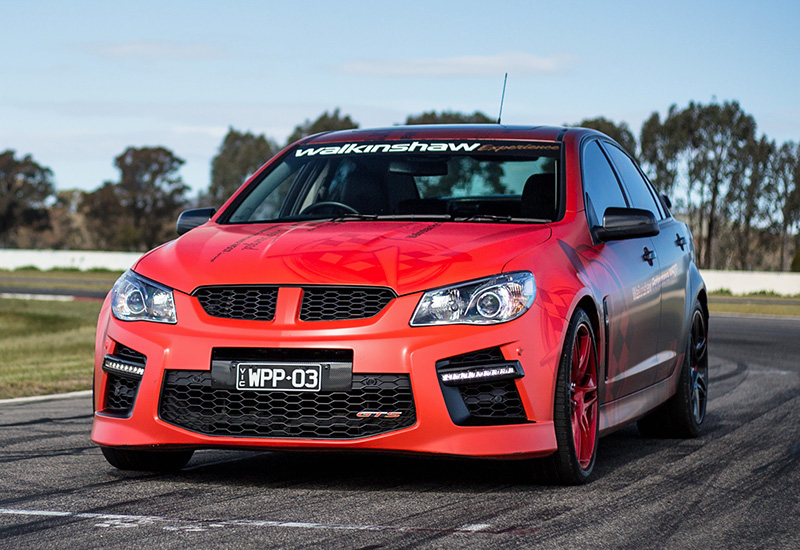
(189, 401)
(120, 394)
(477, 390)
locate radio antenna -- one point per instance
(502, 98)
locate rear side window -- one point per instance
(600, 184)
(638, 190)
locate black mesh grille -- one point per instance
(257, 303)
(252, 303)
(498, 400)
(120, 394)
(189, 401)
(340, 303)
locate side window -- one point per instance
(638, 189)
(599, 183)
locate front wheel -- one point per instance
(147, 461)
(575, 412)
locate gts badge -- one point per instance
(379, 414)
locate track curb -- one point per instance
(53, 397)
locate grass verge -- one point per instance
(46, 347)
(61, 279)
(754, 307)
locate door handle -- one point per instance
(680, 241)
(649, 255)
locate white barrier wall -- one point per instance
(738, 282)
(74, 259)
(748, 282)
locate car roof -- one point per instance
(447, 131)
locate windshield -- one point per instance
(454, 180)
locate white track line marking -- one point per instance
(127, 521)
(474, 527)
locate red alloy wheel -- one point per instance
(583, 395)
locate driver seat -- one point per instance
(365, 192)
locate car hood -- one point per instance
(405, 256)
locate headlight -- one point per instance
(135, 298)
(483, 302)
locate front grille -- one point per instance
(493, 400)
(189, 401)
(251, 303)
(257, 303)
(120, 394)
(341, 303)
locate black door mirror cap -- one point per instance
(626, 223)
(189, 219)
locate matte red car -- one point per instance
(484, 291)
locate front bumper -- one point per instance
(381, 345)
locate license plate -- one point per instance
(279, 376)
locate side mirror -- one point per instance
(189, 219)
(626, 223)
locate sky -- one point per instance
(80, 81)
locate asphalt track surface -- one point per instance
(734, 487)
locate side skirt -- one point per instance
(623, 411)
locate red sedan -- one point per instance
(484, 291)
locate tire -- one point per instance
(575, 411)
(682, 416)
(147, 461)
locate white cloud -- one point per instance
(516, 63)
(151, 50)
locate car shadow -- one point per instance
(372, 471)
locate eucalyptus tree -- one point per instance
(449, 117)
(326, 122)
(701, 147)
(138, 212)
(785, 195)
(747, 204)
(239, 156)
(718, 135)
(25, 186)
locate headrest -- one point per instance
(539, 197)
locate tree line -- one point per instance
(739, 192)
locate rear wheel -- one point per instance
(147, 461)
(575, 413)
(684, 413)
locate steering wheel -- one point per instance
(329, 204)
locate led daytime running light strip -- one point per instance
(475, 374)
(118, 366)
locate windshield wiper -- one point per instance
(484, 218)
(443, 217)
(353, 216)
(497, 218)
